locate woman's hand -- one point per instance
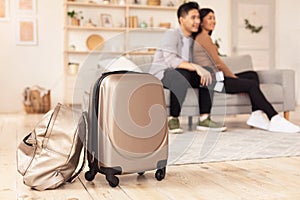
(205, 76)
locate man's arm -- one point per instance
(171, 43)
(187, 65)
(173, 58)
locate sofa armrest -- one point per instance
(285, 78)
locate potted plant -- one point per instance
(75, 17)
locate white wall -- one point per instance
(222, 11)
(29, 65)
(43, 64)
(287, 52)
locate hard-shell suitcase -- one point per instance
(127, 126)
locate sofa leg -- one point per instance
(190, 122)
(286, 115)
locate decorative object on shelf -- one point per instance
(164, 25)
(151, 22)
(132, 21)
(143, 2)
(106, 1)
(151, 50)
(75, 17)
(143, 25)
(252, 28)
(106, 20)
(94, 41)
(115, 2)
(36, 99)
(153, 2)
(73, 68)
(97, 1)
(72, 47)
(170, 3)
(89, 24)
(121, 2)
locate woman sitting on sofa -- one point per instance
(205, 53)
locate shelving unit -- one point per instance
(120, 37)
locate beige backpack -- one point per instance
(49, 155)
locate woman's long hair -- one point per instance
(203, 12)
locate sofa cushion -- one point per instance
(144, 62)
(273, 92)
(238, 63)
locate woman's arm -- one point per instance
(212, 50)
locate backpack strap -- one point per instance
(76, 174)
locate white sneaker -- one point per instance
(258, 120)
(279, 124)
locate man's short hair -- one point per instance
(184, 9)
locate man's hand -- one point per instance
(205, 76)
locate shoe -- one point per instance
(257, 119)
(279, 124)
(174, 125)
(209, 124)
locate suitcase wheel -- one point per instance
(90, 175)
(141, 173)
(160, 174)
(112, 180)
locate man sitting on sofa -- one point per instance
(172, 65)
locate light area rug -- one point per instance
(234, 144)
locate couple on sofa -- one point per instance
(182, 62)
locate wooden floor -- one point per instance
(277, 178)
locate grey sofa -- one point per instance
(277, 85)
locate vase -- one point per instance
(75, 22)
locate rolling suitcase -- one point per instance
(127, 126)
